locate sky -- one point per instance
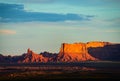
(43, 25)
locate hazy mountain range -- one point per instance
(76, 52)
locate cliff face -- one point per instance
(108, 52)
(70, 53)
(74, 53)
(96, 44)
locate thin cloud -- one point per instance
(112, 31)
(7, 32)
(16, 13)
(37, 1)
(27, 1)
(108, 31)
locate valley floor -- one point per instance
(45, 71)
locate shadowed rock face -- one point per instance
(89, 51)
(2, 58)
(71, 53)
(108, 52)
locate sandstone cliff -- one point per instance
(108, 52)
(97, 44)
(74, 53)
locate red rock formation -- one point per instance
(97, 44)
(74, 53)
(71, 53)
(108, 52)
(31, 57)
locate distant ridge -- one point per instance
(76, 52)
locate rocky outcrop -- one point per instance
(79, 51)
(97, 44)
(108, 52)
(2, 58)
(31, 57)
(74, 53)
(9, 59)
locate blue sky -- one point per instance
(43, 25)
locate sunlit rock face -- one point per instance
(74, 53)
(31, 57)
(96, 44)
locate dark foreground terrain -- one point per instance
(43, 71)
